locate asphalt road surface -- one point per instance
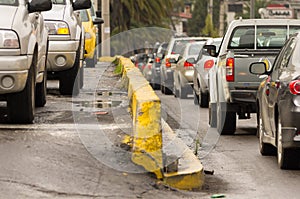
(73, 150)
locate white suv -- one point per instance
(23, 51)
(66, 44)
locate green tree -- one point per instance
(197, 23)
(126, 14)
(209, 29)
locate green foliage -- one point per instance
(209, 29)
(141, 13)
(197, 23)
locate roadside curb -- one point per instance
(154, 144)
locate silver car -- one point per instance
(66, 44)
(204, 64)
(184, 69)
(23, 50)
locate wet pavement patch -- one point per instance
(98, 104)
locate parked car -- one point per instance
(155, 69)
(147, 69)
(278, 104)
(66, 44)
(23, 55)
(200, 79)
(175, 46)
(89, 23)
(184, 69)
(232, 88)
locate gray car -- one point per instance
(23, 51)
(66, 44)
(278, 105)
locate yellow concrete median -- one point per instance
(147, 135)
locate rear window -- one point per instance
(179, 45)
(195, 49)
(267, 37)
(63, 2)
(9, 2)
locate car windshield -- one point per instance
(267, 37)
(9, 2)
(62, 2)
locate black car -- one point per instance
(278, 105)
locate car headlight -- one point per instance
(57, 28)
(9, 39)
(88, 35)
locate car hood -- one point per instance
(56, 13)
(8, 14)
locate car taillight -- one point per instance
(208, 64)
(157, 60)
(188, 64)
(168, 64)
(295, 87)
(230, 69)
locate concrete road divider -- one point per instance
(183, 171)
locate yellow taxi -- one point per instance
(91, 31)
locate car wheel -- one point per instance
(41, 91)
(264, 148)
(286, 158)
(226, 123)
(81, 77)
(162, 88)
(212, 113)
(196, 98)
(182, 92)
(91, 62)
(203, 100)
(21, 106)
(69, 83)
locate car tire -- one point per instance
(212, 113)
(162, 89)
(196, 98)
(226, 123)
(91, 62)
(21, 105)
(203, 100)
(41, 92)
(183, 92)
(69, 83)
(286, 158)
(264, 148)
(81, 77)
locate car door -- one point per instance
(38, 29)
(275, 80)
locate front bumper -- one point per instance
(61, 55)
(13, 73)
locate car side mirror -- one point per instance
(99, 14)
(98, 20)
(211, 50)
(39, 5)
(258, 68)
(82, 4)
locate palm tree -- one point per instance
(125, 13)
